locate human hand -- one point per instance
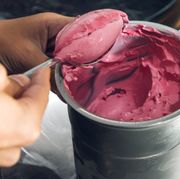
(22, 103)
(28, 41)
(25, 42)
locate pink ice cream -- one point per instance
(137, 79)
(77, 43)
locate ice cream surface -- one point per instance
(137, 79)
(77, 43)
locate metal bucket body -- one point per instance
(110, 152)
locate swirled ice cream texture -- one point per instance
(137, 79)
(89, 36)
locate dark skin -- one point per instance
(24, 43)
(28, 41)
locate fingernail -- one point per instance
(20, 79)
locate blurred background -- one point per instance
(162, 11)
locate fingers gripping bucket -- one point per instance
(106, 149)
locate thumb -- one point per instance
(55, 22)
(16, 85)
(35, 97)
(12, 85)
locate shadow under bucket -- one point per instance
(106, 149)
